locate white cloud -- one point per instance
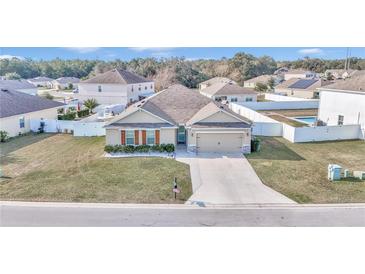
(310, 51)
(140, 49)
(83, 50)
(6, 56)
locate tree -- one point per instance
(47, 95)
(271, 83)
(70, 86)
(329, 76)
(3, 136)
(261, 87)
(12, 76)
(91, 104)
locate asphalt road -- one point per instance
(104, 215)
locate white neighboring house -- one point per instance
(18, 108)
(298, 73)
(65, 83)
(116, 86)
(343, 103)
(213, 81)
(230, 92)
(41, 81)
(19, 85)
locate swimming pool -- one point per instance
(308, 120)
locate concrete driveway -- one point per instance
(227, 179)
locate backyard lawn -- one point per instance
(64, 168)
(299, 171)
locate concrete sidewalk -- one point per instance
(227, 179)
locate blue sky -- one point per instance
(108, 53)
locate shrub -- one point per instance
(169, 148)
(67, 116)
(3, 136)
(83, 112)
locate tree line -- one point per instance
(167, 71)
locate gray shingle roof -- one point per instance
(220, 125)
(14, 102)
(117, 76)
(16, 84)
(67, 80)
(260, 79)
(355, 83)
(41, 79)
(139, 125)
(227, 89)
(217, 80)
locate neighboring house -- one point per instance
(281, 71)
(229, 92)
(298, 73)
(215, 80)
(301, 88)
(65, 83)
(178, 115)
(116, 86)
(41, 81)
(263, 79)
(18, 108)
(343, 103)
(19, 85)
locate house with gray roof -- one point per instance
(19, 85)
(116, 86)
(213, 81)
(229, 92)
(18, 108)
(65, 83)
(178, 115)
(41, 81)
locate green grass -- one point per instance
(287, 121)
(299, 170)
(72, 169)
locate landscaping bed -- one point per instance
(63, 168)
(299, 170)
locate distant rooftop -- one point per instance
(354, 83)
(67, 80)
(217, 80)
(40, 79)
(260, 79)
(117, 76)
(227, 89)
(16, 84)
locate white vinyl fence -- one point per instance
(321, 133)
(76, 127)
(280, 98)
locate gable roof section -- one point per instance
(40, 79)
(14, 102)
(215, 80)
(66, 80)
(16, 84)
(117, 76)
(355, 83)
(303, 84)
(227, 89)
(260, 79)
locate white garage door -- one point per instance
(219, 142)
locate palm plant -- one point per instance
(91, 104)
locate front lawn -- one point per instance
(299, 171)
(64, 168)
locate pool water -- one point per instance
(308, 120)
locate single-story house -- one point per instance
(116, 86)
(19, 85)
(41, 81)
(343, 103)
(181, 116)
(215, 80)
(263, 79)
(301, 88)
(18, 108)
(299, 73)
(230, 92)
(65, 83)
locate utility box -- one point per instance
(359, 174)
(346, 173)
(334, 172)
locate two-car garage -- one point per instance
(221, 141)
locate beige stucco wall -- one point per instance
(11, 124)
(308, 94)
(112, 136)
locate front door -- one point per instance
(181, 135)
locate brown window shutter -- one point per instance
(157, 137)
(136, 137)
(144, 137)
(122, 137)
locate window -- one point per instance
(151, 87)
(234, 99)
(132, 89)
(139, 88)
(129, 137)
(340, 120)
(249, 99)
(99, 88)
(21, 122)
(145, 87)
(150, 134)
